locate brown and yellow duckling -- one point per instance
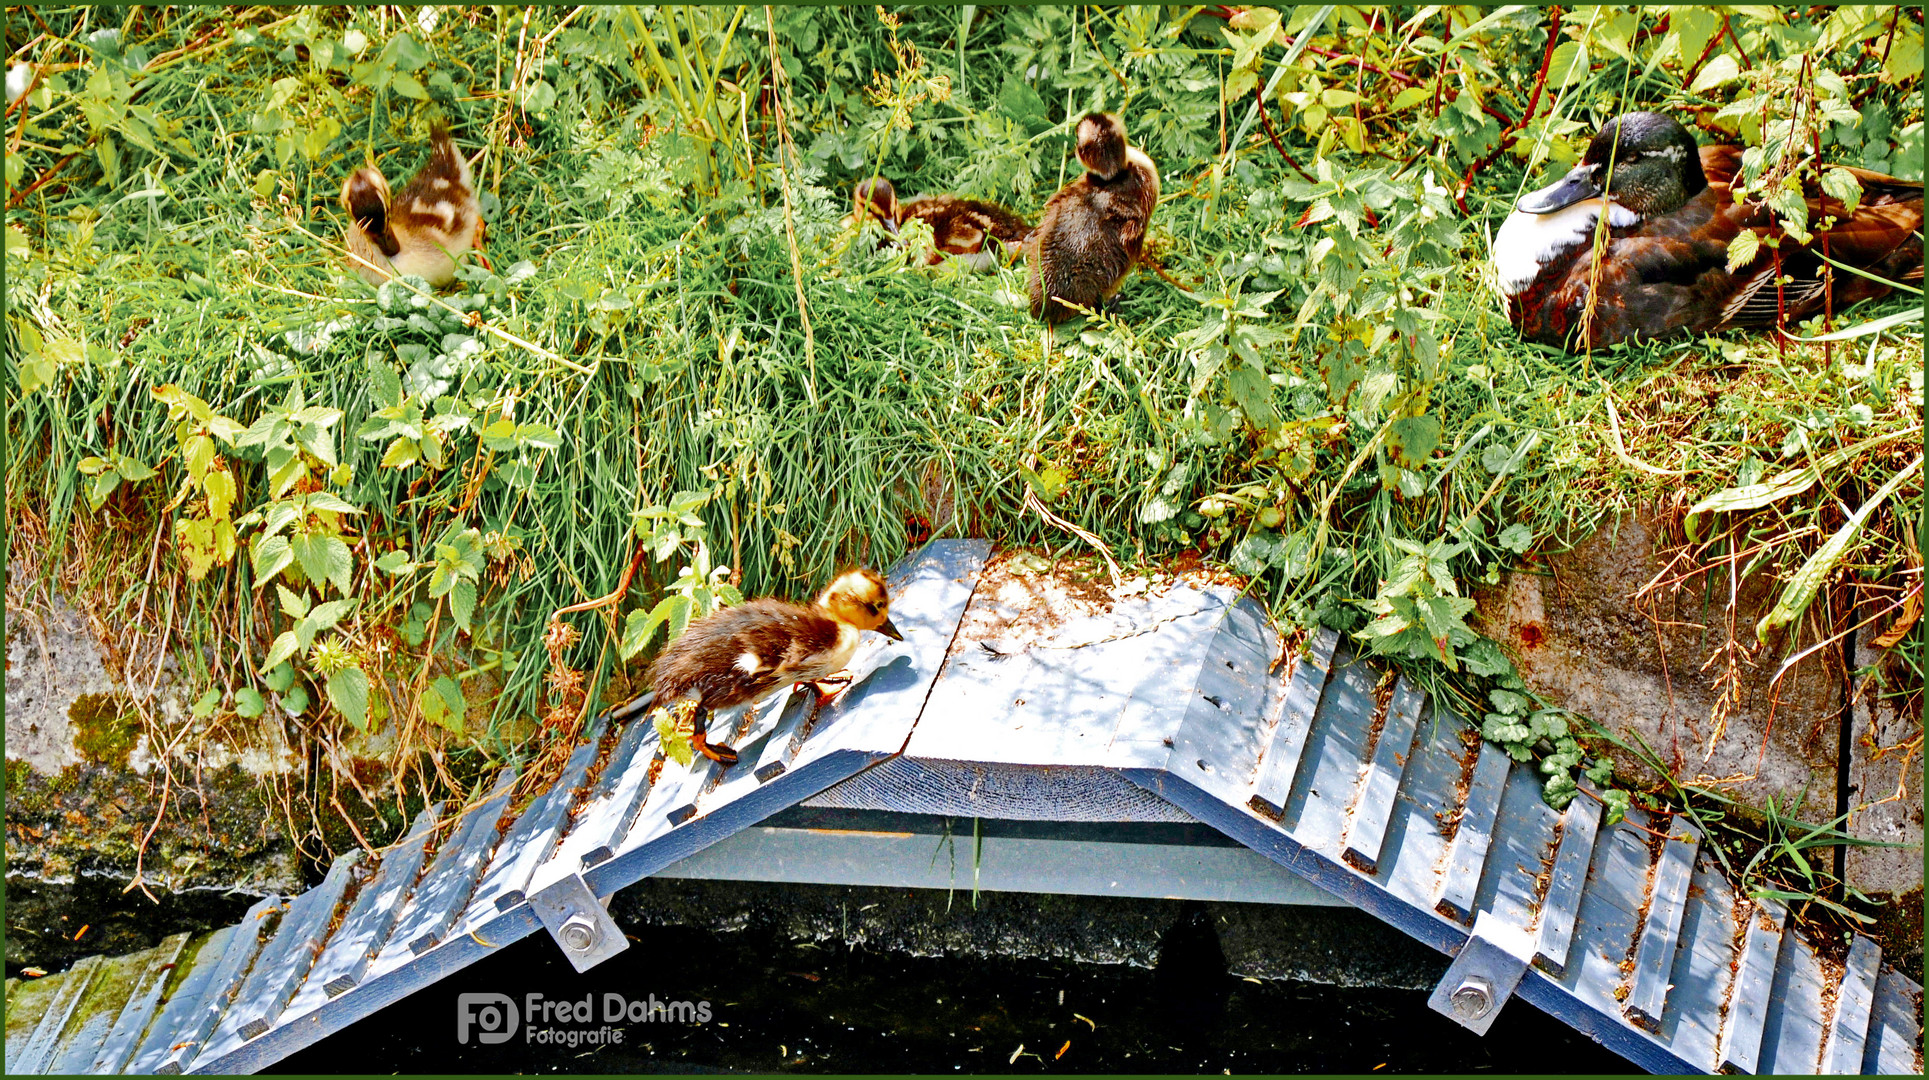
(979, 233)
(422, 231)
(1093, 230)
(742, 653)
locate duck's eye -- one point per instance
(871, 607)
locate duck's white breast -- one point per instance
(1526, 242)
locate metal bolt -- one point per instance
(578, 933)
(1473, 998)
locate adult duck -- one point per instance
(1663, 268)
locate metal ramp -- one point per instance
(1163, 712)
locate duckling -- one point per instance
(1092, 231)
(434, 221)
(1671, 218)
(741, 653)
(972, 230)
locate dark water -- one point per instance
(780, 1006)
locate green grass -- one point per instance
(669, 353)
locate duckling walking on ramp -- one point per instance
(742, 653)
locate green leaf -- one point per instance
(1516, 538)
(271, 556)
(1808, 580)
(1568, 66)
(248, 703)
(500, 436)
(204, 707)
(1559, 790)
(444, 704)
(283, 648)
(462, 601)
(1842, 185)
(220, 487)
(324, 557)
(1720, 70)
(1742, 249)
(540, 436)
(293, 604)
(348, 692)
(395, 562)
(295, 701)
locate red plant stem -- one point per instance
(1508, 136)
(40, 183)
(1706, 51)
(1259, 95)
(1728, 25)
(1781, 309)
(1397, 76)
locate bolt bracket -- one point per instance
(1484, 974)
(578, 921)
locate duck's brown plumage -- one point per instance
(421, 230)
(1093, 229)
(1667, 273)
(741, 653)
(978, 231)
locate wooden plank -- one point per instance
(370, 919)
(1390, 753)
(284, 960)
(38, 1053)
(1661, 931)
(1233, 705)
(1792, 1031)
(229, 972)
(445, 888)
(1467, 857)
(1894, 1045)
(1519, 854)
(1565, 883)
(142, 1005)
(1316, 813)
(1279, 765)
(613, 803)
(530, 837)
(1739, 1049)
(179, 1000)
(1854, 1003)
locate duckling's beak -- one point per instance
(1565, 192)
(889, 630)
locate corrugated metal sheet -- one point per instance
(1163, 711)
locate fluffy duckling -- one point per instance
(1093, 229)
(422, 231)
(977, 232)
(1671, 218)
(742, 653)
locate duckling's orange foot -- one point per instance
(828, 687)
(722, 755)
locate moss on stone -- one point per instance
(105, 728)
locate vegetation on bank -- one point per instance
(677, 374)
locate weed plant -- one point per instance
(360, 507)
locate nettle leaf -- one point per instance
(1842, 185)
(462, 601)
(395, 562)
(1742, 249)
(294, 605)
(272, 555)
(284, 647)
(348, 692)
(540, 436)
(221, 490)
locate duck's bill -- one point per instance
(890, 631)
(1576, 186)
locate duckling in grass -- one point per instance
(976, 232)
(742, 653)
(422, 231)
(1093, 230)
(1674, 227)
